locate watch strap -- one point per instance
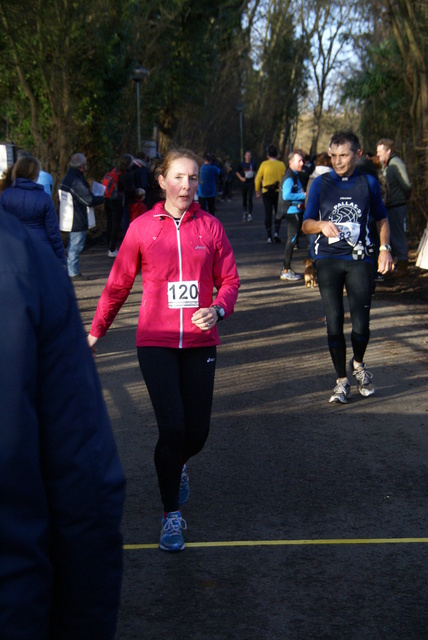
(219, 312)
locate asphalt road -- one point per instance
(306, 520)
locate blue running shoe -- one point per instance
(183, 494)
(171, 538)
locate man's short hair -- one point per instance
(387, 143)
(342, 137)
(296, 152)
(77, 160)
(272, 151)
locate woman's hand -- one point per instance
(205, 319)
(92, 340)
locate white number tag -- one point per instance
(183, 294)
(349, 231)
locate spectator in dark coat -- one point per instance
(61, 483)
(28, 201)
(76, 202)
(399, 191)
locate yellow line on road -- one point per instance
(289, 543)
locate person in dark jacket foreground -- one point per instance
(61, 483)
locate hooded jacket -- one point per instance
(180, 265)
(28, 201)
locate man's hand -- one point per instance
(385, 263)
(328, 229)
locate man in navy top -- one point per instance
(207, 188)
(340, 205)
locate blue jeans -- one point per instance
(76, 242)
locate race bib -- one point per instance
(349, 231)
(182, 295)
(249, 174)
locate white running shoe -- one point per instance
(289, 275)
(363, 379)
(112, 254)
(341, 392)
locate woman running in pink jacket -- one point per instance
(183, 254)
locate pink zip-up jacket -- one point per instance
(180, 266)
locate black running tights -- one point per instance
(270, 202)
(180, 383)
(357, 277)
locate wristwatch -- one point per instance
(219, 311)
(385, 247)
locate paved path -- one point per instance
(306, 520)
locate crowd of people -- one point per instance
(62, 545)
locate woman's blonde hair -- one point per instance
(172, 155)
(26, 167)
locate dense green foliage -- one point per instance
(391, 89)
(381, 94)
(66, 75)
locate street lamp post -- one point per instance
(240, 108)
(139, 74)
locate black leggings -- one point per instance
(180, 383)
(357, 277)
(247, 196)
(208, 204)
(113, 210)
(270, 201)
(293, 229)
